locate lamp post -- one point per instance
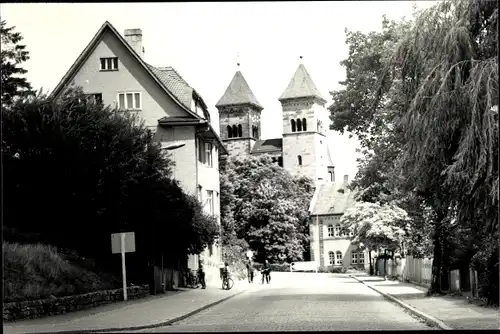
(166, 147)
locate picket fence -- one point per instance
(419, 271)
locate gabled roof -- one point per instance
(237, 93)
(268, 146)
(175, 83)
(301, 85)
(329, 200)
(93, 44)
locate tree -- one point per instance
(13, 55)
(265, 206)
(375, 227)
(86, 171)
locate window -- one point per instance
(240, 131)
(330, 230)
(216, 203)
(304, 124)
(331, 257)
(208, 154)
(109, 64)
(280, 161)
(361, 258)
(337, 230)
(210, 201)
(339, 257)
(129, 101)
(229, 132)
(201, 152)
(293, 125)
(95, 98)
(299, 160)
(255, 132)
(235, 131)
(199, 194)
(299, 125)
(330, 174)
(354, 257)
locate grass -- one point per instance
(37, 271)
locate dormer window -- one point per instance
(109, 64)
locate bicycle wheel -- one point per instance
(229, 284)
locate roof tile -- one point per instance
(268, 145)
(175, 83)
(331, 201)
(238, 92)
(301, 85)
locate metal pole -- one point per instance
(124, 271)
(162, 274)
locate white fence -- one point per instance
(415, 270)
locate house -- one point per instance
(112, 69)
(330, 247)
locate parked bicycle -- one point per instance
(227, 283)
(191, 279)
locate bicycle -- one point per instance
(191, 280)
(227, 283)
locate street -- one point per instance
(301, 301)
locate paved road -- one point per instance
(301, 301)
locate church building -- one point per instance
(302, 149)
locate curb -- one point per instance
(161, 324)
(428, 318)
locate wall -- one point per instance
(131, 77)
(44, 307)
(239, 115)
(185, 157)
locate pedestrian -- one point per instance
(250, 271)
(201, 275)
(225, 273)
(266, 272)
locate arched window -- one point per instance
(256, 132)
(229, 132)
(240, 131)
(304, 124)
(331, 257)
(337, 230)
(299, 125)
(235, 131)
(339, 258)
(293, 125)
(299, 160)
(280, 161)
(330, 230)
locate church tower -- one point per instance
(305, 124)
(239, 117)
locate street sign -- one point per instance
(116, 239)
(123, 243)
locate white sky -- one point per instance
(201, 41)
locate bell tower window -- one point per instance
(304, 124)
(240, 131)
(299, 160)
(293, 125)
(229, 132)
(299, 125)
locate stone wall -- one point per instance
(33, 309)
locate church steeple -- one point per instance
(301, 85)
(238, 93)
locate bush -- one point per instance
(37, 271)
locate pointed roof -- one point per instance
(301, 85)
(164, 84)
(238, 92)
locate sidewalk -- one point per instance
(453, 312)
(134, 314)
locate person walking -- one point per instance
(266, 272)
(201, 276)
(250, 271)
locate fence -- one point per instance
(419, 271)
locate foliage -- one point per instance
(12, 56)
(105, 173)
(37, 271)
(264, 205)
(374, 226)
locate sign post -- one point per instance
(123, 243)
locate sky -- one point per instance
(204, 41)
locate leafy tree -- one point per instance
(12, 56)
(375, 226)
(265, 206)
(86, 171)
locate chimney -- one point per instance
(134, 39)
(346, 179)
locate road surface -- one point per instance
(301, 301)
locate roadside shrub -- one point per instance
(37, 271)
(281, 267)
